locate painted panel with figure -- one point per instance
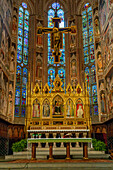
(79, 109)
(58, 107)
(36, 109)
(69, 108)
(46, 108)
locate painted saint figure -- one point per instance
(46, 109)
(36, 109)
(80, 112)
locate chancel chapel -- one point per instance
(56, 70)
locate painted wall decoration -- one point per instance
(70, 108)
(73, 69)
(36, 109)
(58, 106)
(103, 102)
(39, 68)
(99, 63)
(3, 93)
(46, 108)
(103, 12)
(96, 26)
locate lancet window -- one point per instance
(22, 60)
(89, 56)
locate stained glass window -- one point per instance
(61, 73)
(22, 61)
(51, 14)
(89, 57)
(51, 77)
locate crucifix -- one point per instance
(56, 36)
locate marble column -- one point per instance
(62, 143)
(85, 150)
(67, 150)
(54, 136)
(47, 136)
(33, 151)
(77, 143)
(50, 151)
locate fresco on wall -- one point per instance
(103, 12)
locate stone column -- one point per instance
(77, 143)
(33, 151)
(67, 150)
(54, 136)
(50, 151)
(85, 150)
(47, 136)
(62, 143)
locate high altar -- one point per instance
(57, 110)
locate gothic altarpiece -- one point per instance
(57, 108)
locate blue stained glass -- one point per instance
(83, 12)
(92, 55)
(93, 74)
(24, 5)
(25, 72)
(26, 34)
(85, 38)
(61, 74)
(91, 40)
(21, 78)
(95, 110)
(61, 15)
(16, 111)
(90, 19)
(21, 9)
(19, 40)
(91, 32)
(17, 100)
(23, 110)
(17, 94)
(19, 49)
(87, 74)
(24, 93)
(19, 58)
(20, 32)
(20, 23)
(55, 5)
(51, 14)
(89, 9)
(94, 90)
(25, 42)
(26, 13)
(94, 99)
(20, 15)
(51, 77)
(25, 57)
(84, 24)
(86, 5)
(26, 25)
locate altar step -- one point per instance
(58, 153)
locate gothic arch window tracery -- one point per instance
(22, 60)
(89, 56)
(51, 14)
